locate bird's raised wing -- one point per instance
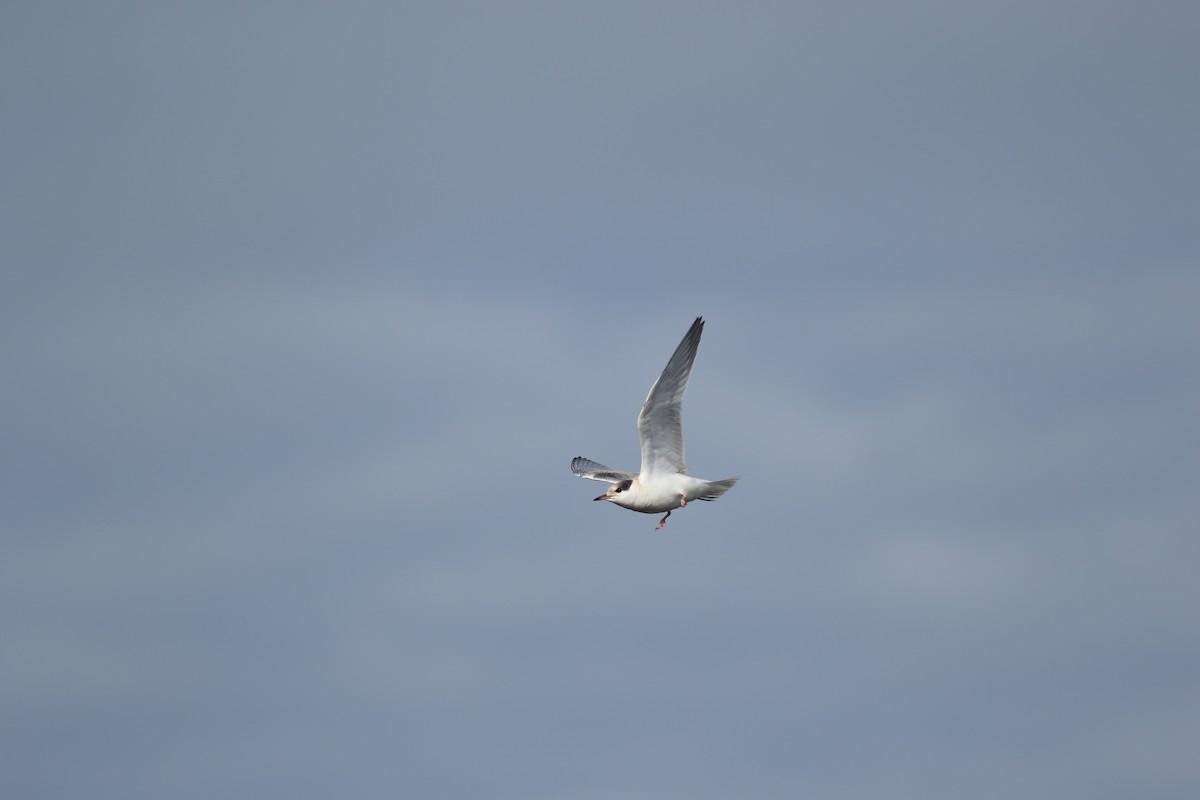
(660, 425)
(586, 468)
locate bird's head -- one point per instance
(616, 492)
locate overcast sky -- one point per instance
(305, 308)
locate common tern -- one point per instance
(663, 483)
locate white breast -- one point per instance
(661, 492)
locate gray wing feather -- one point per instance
(586, 468)
(660, 425)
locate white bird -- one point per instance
(663, 483)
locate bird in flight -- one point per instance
(663, 483)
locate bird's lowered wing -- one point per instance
(586, 468)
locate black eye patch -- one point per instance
(622, 486)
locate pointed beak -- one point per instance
(601, 497)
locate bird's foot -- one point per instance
(682, 500)
(662, 522)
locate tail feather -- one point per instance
(714, 489)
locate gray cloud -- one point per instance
(305, 311)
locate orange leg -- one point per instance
(662, 522)
(682, 500)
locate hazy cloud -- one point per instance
(305, 311)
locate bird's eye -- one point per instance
(620, 489)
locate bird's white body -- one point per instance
(661, 492)
(663, 483)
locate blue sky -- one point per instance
(305, 309)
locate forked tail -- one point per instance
(714, 489)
